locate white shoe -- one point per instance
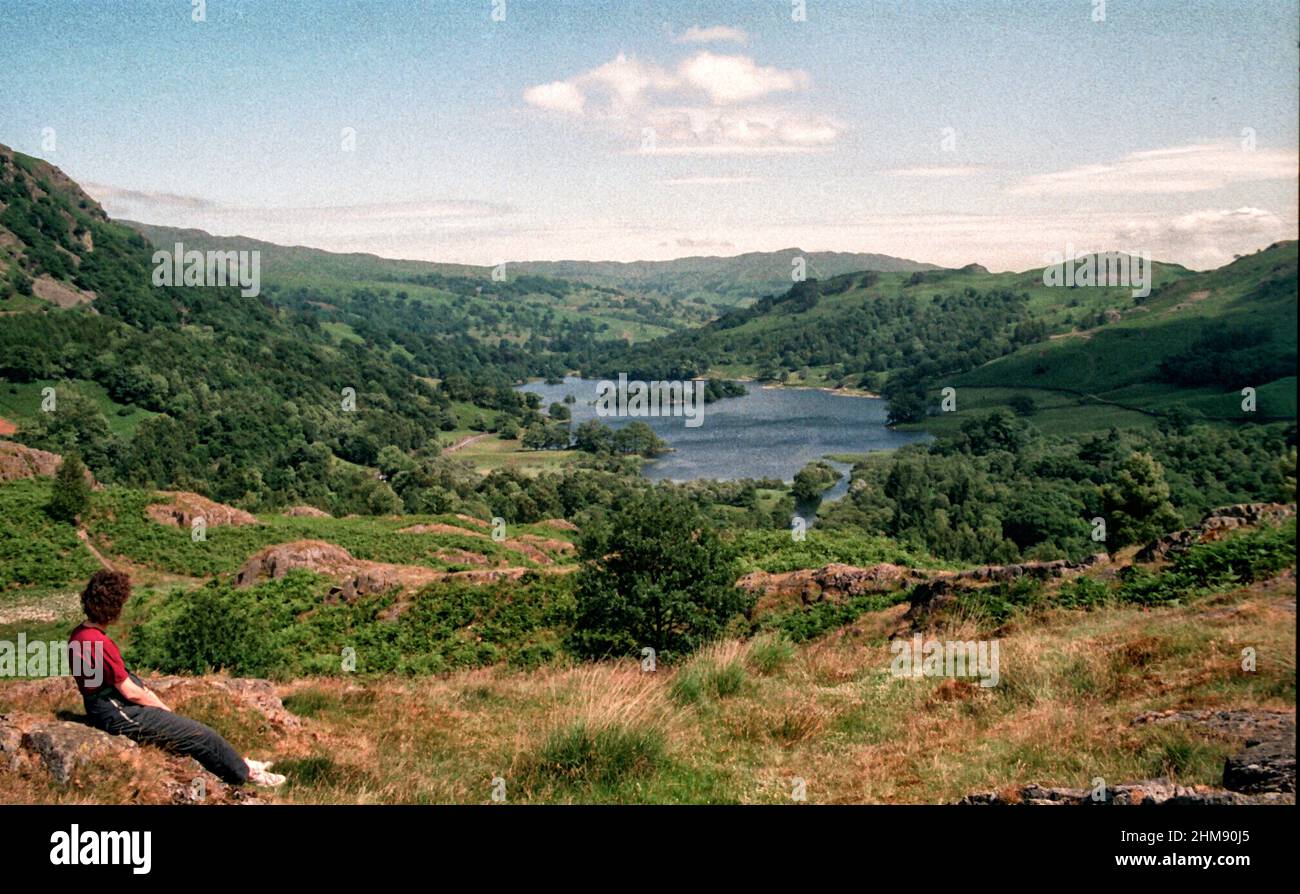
(259, 776)
(258, 765)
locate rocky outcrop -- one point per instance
(831, 583)
(182, 508)
(306, 512)
(1262, 773)
(62, 746)
(254, 694)
(1147, 793)
(1214, 525)
(357, 577)
(20, 461)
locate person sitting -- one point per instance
(117, 702)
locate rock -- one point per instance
(259, 695)
(63, 746)
(11, 740)
(306, 512)
(1214, 525)
(182, 508)
(20, 461)
(1264, 766)
(1146, 793)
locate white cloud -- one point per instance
(1181, 169)
(714, 34)
(558, 96)
(703, 106)
(732, 79)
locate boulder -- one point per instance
(182, 508)
(63, 746)
(1263, 766)
(306, 512)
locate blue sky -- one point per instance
(949, 132)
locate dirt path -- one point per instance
(466, 441)
(7, 427)
(99, 557)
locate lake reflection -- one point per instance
(768, 433)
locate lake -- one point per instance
(768, 433)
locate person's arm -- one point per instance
(140, 695)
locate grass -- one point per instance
(21, 402)
(827, 712)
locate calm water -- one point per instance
(768, 433)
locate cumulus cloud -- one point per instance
(706, 104)
(1181, 169)
(733, 79)
(714, 34)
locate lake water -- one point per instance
(768, 433)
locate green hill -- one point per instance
(203, 388)
(722, 281)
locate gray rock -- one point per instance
(64, 746)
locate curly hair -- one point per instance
(103, 597)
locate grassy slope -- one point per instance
(742, 720)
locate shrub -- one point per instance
(211, 628)
(657, 576)
(70, 496)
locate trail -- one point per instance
(99, 557)
(466, 441)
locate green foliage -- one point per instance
(655, 576)
(207, 629)
(584, 756)
(1136, 502)
(70, 496)
(35, 550)
(812, 480)
(770, 652)
(706, 678)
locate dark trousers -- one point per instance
(110, 711)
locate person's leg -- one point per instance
(174, 732)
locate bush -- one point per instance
(70, 496)
(211, 628)
(657, 576)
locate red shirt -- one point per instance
(97, 663)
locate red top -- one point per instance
(93, 646)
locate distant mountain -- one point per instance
(736, 280)
(1197, 338)
(291, 260)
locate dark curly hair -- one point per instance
(103, 597)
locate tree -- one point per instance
(70, 496)
(559, 412)
(1137, 503)
(656, 576)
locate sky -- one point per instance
(480, 131)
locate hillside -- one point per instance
(1114, 668)
(723, 281)
(999, 335)
(207, 389)
(1191, 347)
(520, 308)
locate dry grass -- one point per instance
(829, 713)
